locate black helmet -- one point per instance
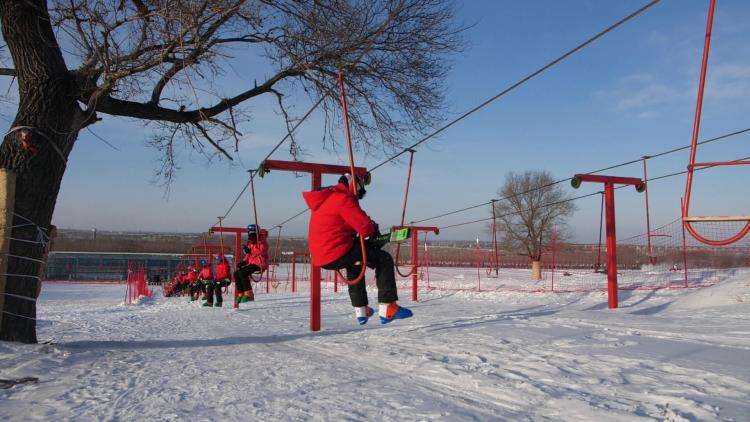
(345, 179)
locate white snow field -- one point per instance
(671, 354)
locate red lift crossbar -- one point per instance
(317, 171)
(609, 204)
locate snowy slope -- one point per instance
(464, 356)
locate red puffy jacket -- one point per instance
(206, 273)
(192, 276)
(258, 254)
(223, 271)
(336, 218)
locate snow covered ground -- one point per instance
(665, 355)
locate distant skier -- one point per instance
(255, 262)
(335, 222)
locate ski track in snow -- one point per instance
(464, 356)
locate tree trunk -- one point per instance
(536, 270)
(48, 107)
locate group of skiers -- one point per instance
(337, 223)
(208, 283)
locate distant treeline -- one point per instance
(69, 240)
(108, 241)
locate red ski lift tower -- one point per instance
(317, 171)
(609, 205)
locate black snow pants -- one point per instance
(213, 288)
(377, 259)
(242, 277)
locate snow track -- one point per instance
(463, 356)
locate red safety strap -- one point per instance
(353, 180)
(403, 216)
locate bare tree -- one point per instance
(163, 62)
(534, 206)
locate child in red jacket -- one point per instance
(194, 285)
(223, 271)
(255, 261)
(335, 222)
(212, 288)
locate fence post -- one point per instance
(554, 254)
(684, 245)
(7, 204)
(294, 275)
(479, 263)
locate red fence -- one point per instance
(137, 285)
(662, 259)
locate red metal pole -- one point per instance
(699, 106)
(237, 258)
(494, 239)
(427, 260)
(479, 264)
(684, 247)
(609, 200)
(650, 250)
(294, 275)
(414, 265)
(554, 253)
(599, 252)
(315, 270)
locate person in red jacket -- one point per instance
(194, 286)
(335, 223)
(255, 262)
(223, 271)
(206, 276)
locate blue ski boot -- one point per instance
(363, 313)
(390, 311)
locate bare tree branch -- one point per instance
(136, 57)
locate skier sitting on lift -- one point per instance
(194, 286)
(223, 271)
(256, 261)
(335, 222)
(206, 276)
(184, 284)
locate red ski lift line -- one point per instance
(353, 178)
(403, 216)
(255, 209)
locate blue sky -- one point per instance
(631, 93)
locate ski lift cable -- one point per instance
(515, 85)
(522, 81)
(626, 163)
(665, 176)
